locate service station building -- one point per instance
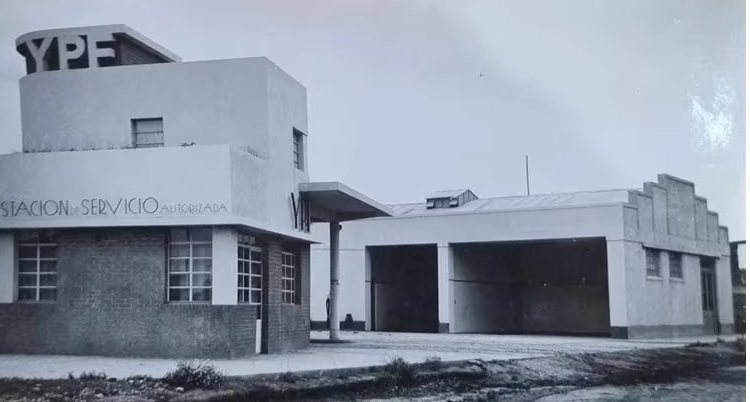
(159, 208)
(163, 208)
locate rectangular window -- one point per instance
(190, 252)
(148, 133)
(37, 266)
(249, 271)
(707, 293)
(675, 265)
(298, 150)
(288, 278)
(652, 263)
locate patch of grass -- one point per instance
(288, 377)
(195, 375)
(433, 363)
(402, 371)
(698, 344)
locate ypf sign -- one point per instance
(69, 51)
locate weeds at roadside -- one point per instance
(433, 363)
(288, 377)
(698, 344)
(88, 376)
(401, 371)
(194, 375)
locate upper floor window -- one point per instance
(148, 133)
(298, 149)
(675, 265)
(37, 266)
(653, 267)
(190, 252)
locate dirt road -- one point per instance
(728, 386)
(694, 373)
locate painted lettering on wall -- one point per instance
(69, 51)
(105, 206)
(301, 213)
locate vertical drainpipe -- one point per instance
(334, 250)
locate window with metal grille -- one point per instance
(675, 265)
(190, 252)
(249, 271)
(148, 133)
(297, 149)
(37, 266)
(288, 278)
(653, 267)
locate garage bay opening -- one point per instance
(536, 287)
(404, 288)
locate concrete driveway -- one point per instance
(364, 349)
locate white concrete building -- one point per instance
(632, 263)
(159, 207)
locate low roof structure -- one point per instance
(514, 203)
(337, 202)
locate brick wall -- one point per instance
(285, 327)
(112, 301)
(294, 327)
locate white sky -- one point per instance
(599, 94)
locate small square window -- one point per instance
(148, 133)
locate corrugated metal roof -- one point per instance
(517, 203)
(446, 193)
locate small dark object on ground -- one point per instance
(90, 376)
(324, 341)
(195, 375)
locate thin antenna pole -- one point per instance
(528, 192)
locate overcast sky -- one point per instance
(408, 97)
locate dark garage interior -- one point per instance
(404, 288)
(536, 287)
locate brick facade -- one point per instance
(294, 326)
(286, 327)
(111, 301)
